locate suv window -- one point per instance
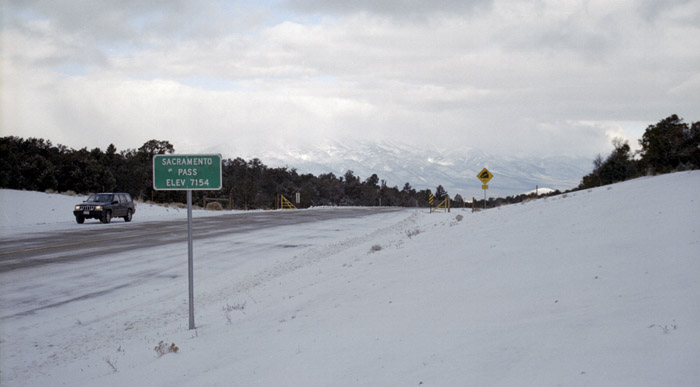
(100, 198)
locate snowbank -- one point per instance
(29, 211)
(596, 287)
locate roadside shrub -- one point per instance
(412, 233)
(230, 308)
(162, 348)
(236, 306)
(214, 206)
(111, 363)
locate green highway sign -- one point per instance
(187, 172)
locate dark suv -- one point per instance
(105, 206)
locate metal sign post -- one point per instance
(190, 257)
(484, 176)
(187, 173)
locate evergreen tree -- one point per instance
(440, 193)
(618, 166)
(669, 145)
(693, 145)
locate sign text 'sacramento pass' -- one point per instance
(187, 161)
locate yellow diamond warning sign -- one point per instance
(484, 176)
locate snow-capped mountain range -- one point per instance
(429, 167)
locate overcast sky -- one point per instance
(536, 77)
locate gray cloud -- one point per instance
(100, 20)
(392, 8)
(138, 24)
(684, 11)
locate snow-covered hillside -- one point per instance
(593, 288)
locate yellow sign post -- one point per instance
(484, 176)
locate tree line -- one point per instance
(667, 146)
(38, 165)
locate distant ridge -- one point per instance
(429, 167)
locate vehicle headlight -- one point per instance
(98, 208)
(77, 208)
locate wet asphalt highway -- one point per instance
(93, 239)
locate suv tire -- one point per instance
(127, 218)
(107, 217)
(80, 219)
